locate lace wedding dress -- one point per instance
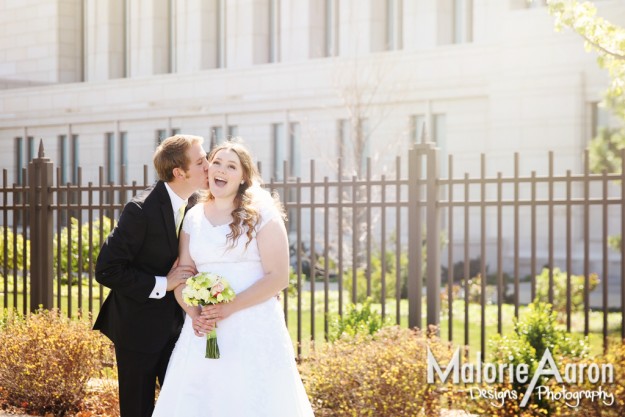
(256, 375)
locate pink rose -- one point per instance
(217, 289)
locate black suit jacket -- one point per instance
(142, 245)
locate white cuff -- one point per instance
(160, 288)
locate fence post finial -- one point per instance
(41, 153)
(423, 134)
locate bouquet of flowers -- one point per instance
(203, 289)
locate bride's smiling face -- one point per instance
(225, 173)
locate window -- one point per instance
(439, 136)
(435, 131)
(63, 179)
(220, 33)
(75, 159)
(110, 157)
(123, 157)
(354, 146)
(161, 135)
(600, 119)
(463, 21)
(439, 129)
(112, 164)
(217, 136)
(393, 24)
(278, 147)
(294, 149)
(213, 33)
(331, 28)
(23, 157)
(30, 148)
(63, 158)
(283, 150)
(84, 41)
(126, 38)
(274, 30)
(174, 131)
(294, 166)
(363, 144)
(386, 25)
(69, 159)
(344, 142)
(417, 124)
(233, 131)
(171, 37)
(19, 161)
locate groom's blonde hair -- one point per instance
(172, 153)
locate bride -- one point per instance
(236, 231)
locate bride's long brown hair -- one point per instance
(245, 216)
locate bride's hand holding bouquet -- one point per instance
(203, 289)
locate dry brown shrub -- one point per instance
(383, 375)
(47, 359)
(597, 408)
(102, 399)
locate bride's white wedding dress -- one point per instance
(256, 374)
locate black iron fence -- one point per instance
(410, 241)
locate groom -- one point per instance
(138, 262)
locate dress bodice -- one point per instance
(211, 250)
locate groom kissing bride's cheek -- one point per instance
(241, 363)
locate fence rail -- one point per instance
(413, 241)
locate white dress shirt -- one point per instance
(160, 288)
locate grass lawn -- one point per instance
(306, 326)
(458, 332)
(76, 306)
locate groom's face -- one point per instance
(196, 175)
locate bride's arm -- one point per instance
(200, 324)
(273, 247)
(185, 259)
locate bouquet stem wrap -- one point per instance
(212, 348)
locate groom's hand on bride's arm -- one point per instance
(178, 275)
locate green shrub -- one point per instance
(359, 319)
(13, 259)
(475, 268)
(390, 278)
(475, 290)
(615, 242)
(534, 332)
(47, 359)
(539, 327)
(559, 289)
(379, 376)
(88, 256)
